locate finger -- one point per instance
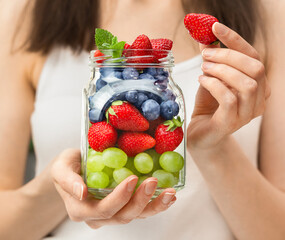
(65, 172)
(247, 87)
(138, 202)
(159, 204)
(92, 209)
(233, 40)
(248, 65)
(226, 113)
(202, 46)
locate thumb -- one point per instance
(66, 174)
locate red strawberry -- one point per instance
(141, 42)
(143, 46)
(102, 135)
(133, 143)
(161, 44)
(127, 46)
(124, 116)
(153, 125)
(98, 53)
(168, 135)
(200, 27)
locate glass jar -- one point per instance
(133, 121)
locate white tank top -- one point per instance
(56, 126)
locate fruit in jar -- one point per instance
(97, 180)
(102, 135)
(94, 161)
(124, 116)
(165, 179)
(168, 135)
(143, 163)
(150, 109)
(121, 174)
(171, 161)
(114, 157)
(169, 109)
(133, 143)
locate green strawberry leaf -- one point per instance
(103, 36)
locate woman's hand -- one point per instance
(233, 90)
(119, 207)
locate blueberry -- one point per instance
(154, 97)
(141, 98)
(161, 77)
(130, 74)
(93, 116)
(132, 96)
(106, 71)
(168, 95)
(161, 71)
(162, 84)
(151, 109)
(99, 84)
(151, 71)
(169, 109)
(110, 73)
(146, 76)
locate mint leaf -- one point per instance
(118, 46)
(103, 36)
(114, 41)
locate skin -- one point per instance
(248, 202)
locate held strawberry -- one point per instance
(168, 135)
(200, 27)
(102, 135)
(133, 143)
(161, 44)
(124, 116)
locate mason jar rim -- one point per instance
(129, 59)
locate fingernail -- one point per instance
(207, 65)
(220, 28)
(202, 78)
(208, 52)
(150, 187)
(167, 198)
(131, 184)
(171, 203)
(78, 190)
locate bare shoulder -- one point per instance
(15, 25)
(274, 23)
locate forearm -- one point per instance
(32, 211)
(253, 208)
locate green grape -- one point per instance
(114, 157)
(121, 174)
(155, 158)
(165, 179)
(141, 179)
(108, 171)
(130, 165)
(112, 184)
(171, 161)
(143, 163)
(94, 161)
(97, 180)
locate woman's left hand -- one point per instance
(233, 90)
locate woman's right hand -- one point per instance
(119, 207)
